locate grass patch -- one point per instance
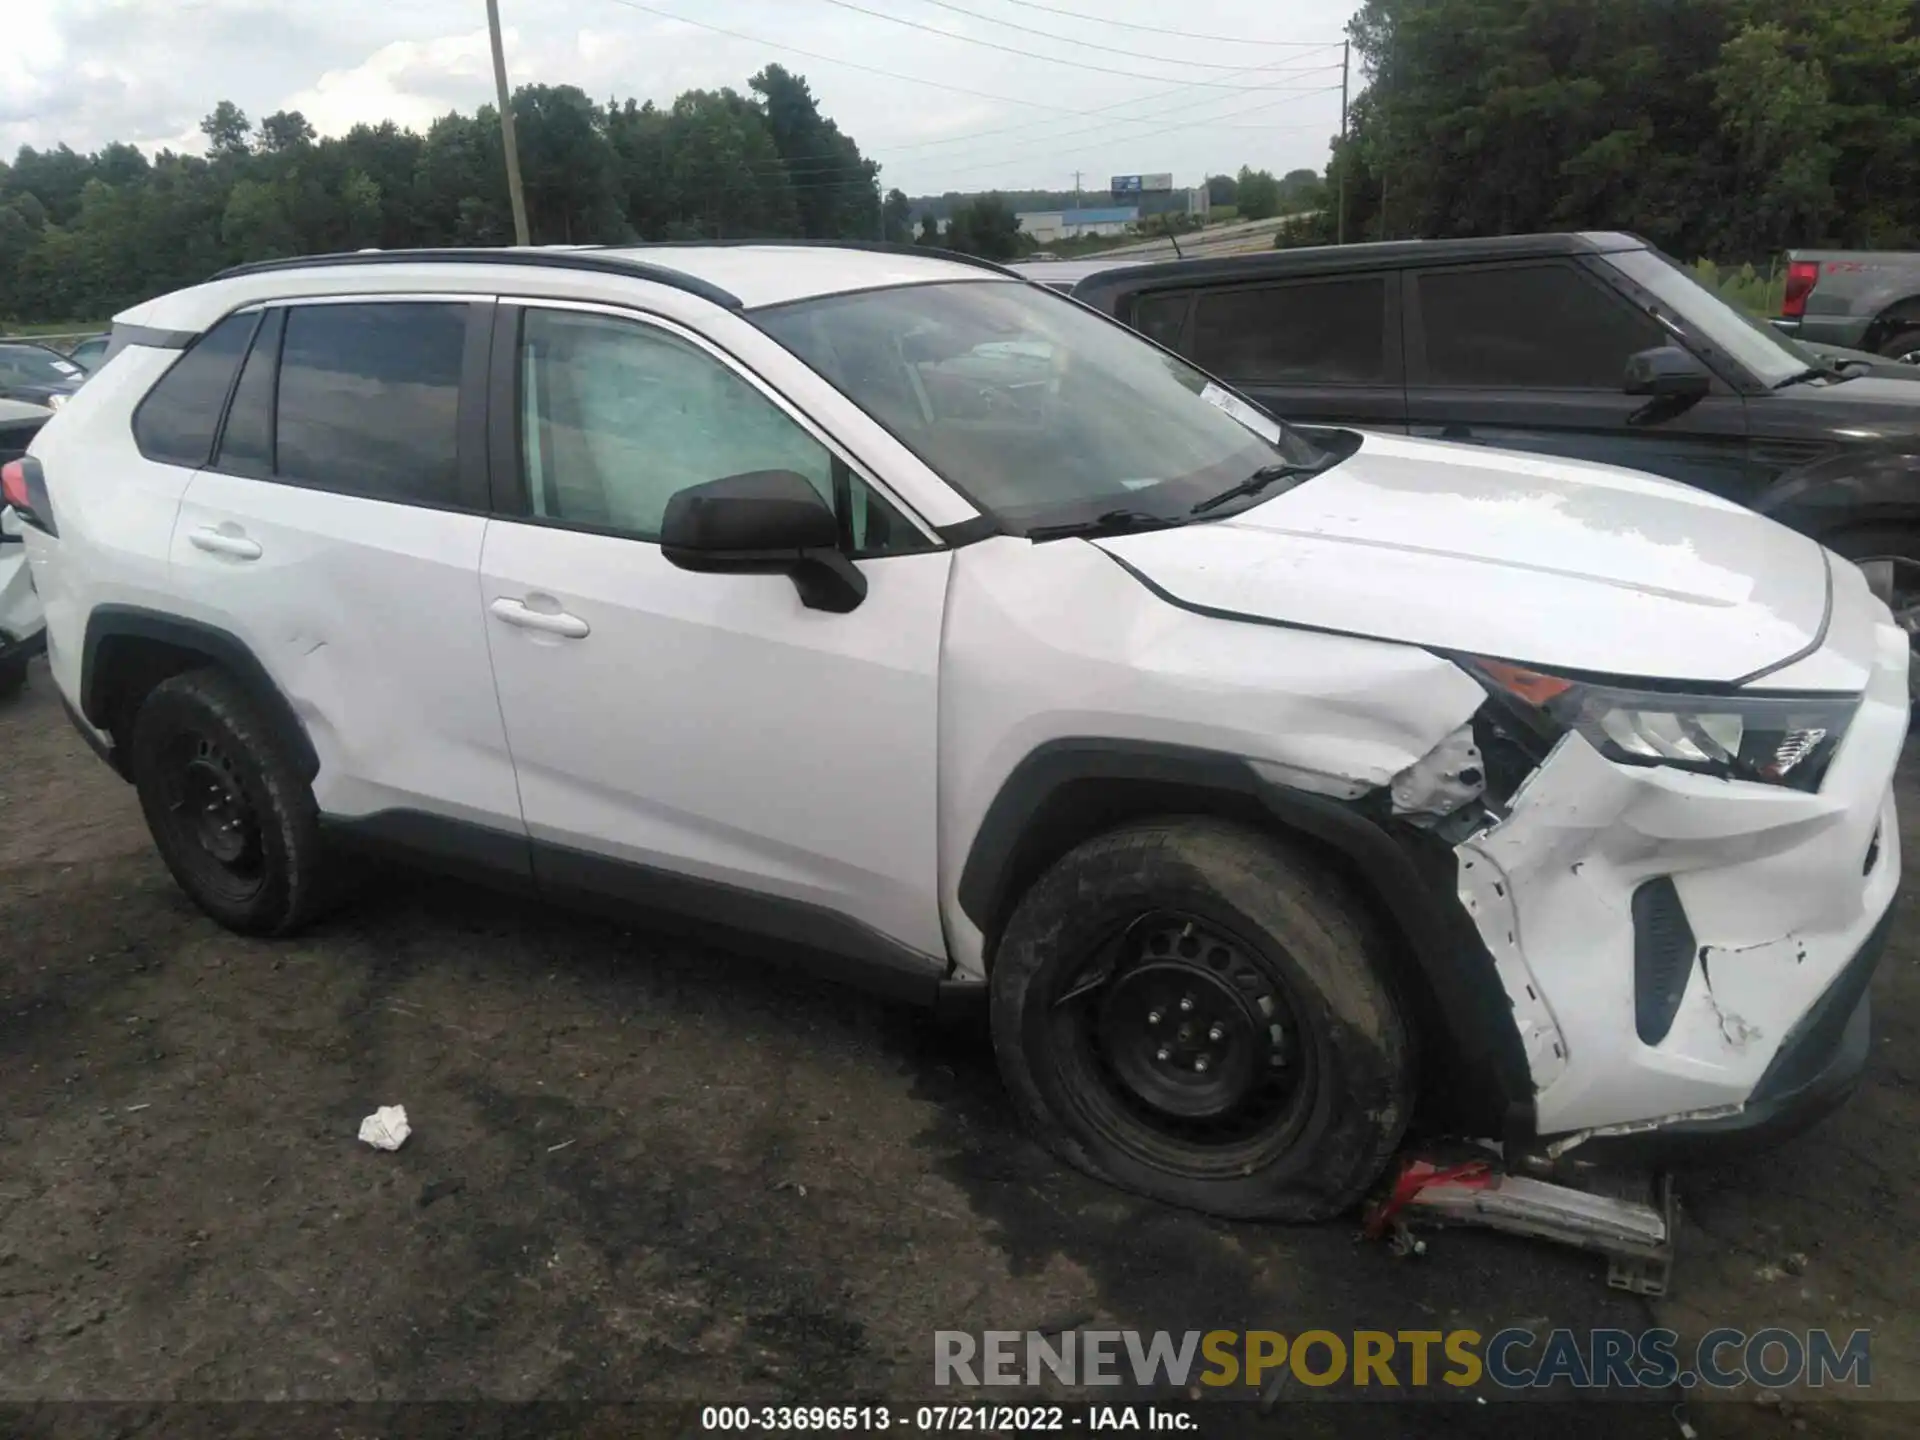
(1758, 292)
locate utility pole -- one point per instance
(1340, 231)
(1076, 189)
(520, 235)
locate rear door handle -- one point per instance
(548, 622)
(223, 542)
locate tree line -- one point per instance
(83, 235)
(1732, 128)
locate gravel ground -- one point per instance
(643, 1170)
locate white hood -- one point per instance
(1557, 563)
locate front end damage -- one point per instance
(1685, 955)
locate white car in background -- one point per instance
(23, 625)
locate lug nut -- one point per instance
(1217, 1033)
(1201, 1064)
(1186, 1004)
(1154, 1017)
(1163, 1053)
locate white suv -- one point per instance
(915, 618)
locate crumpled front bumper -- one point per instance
(1785, 896)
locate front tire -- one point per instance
(1191, 1010)
(13, 676)
(1903, 345)
(229, 811)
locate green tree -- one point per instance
(897, 217)
(1259, 194)
(227, 129)
(1223, 190)
(282, 131)
(834, 187)
(986, 227)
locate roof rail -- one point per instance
(877, 247)
(557, 258)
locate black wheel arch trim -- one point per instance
(1412, 875)
(1848, 490)
(110, 623)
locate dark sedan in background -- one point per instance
(37, 374)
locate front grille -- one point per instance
(1663, 950)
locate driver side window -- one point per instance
(617, 417)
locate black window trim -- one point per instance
(1730, 372)
(272, 318)
(213, 442)
(505, 458)
(1414, 320)
(1392, 352)
(470, 469)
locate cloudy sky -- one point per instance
(947, 113)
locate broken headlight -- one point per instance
(1771, 739)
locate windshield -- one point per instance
(32, 365)
(1753, 343)
(1037, 410)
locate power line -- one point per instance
(849, 64)
(1014, 50)
(1118, 105)
(1074, 40)
(1154, 29)
(1184, 125)
(1079, 112)
(1107, 128)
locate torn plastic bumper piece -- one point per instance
(1817, 1067)
(1624, 1218)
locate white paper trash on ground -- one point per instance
(386, 1128)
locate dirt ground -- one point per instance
(648, 1171)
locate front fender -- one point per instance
(1845, 491)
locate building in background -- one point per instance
(1046, 226)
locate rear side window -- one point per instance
(1529, 327)
(1318, 331)
(175, 424)
(1162, 317)
(369, 400)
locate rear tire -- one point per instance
(1903, 345)
(229, 811)
(1192, 1010)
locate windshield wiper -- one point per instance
(1256, 482)
(1108, 522)
(1812, 372)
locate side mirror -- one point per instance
(765, 522)
(1667, 372)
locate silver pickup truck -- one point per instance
(1855, 299)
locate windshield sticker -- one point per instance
(1264, 426)
(65, 367)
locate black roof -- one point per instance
(1369, 255)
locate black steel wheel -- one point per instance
(228, 808)
(1186, 1044)
(1193, 1010)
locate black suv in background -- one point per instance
(1591, 346)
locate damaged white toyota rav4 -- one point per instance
(1266, 783)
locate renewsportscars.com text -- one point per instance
(1511, 1359)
